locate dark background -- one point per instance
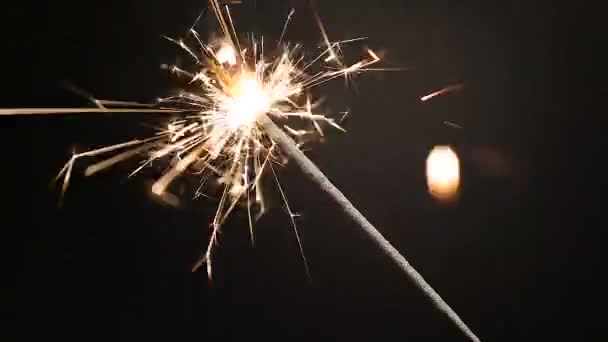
(517, 256)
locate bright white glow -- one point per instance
(443, 172)
(247, 102)
(226, 54)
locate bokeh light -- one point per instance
(443, 173)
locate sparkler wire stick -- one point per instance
(289, 147)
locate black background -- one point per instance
(517, 257)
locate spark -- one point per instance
(451, 88)
(453, 124)
(291, 13)
(345, 114)
(63, 111)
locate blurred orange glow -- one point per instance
(443, 173)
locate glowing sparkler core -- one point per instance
(248, 101)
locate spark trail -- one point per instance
(451, 88)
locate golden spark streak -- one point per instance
(451, 88)
(63, 111)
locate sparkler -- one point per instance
(226, 129)
(218, 135)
